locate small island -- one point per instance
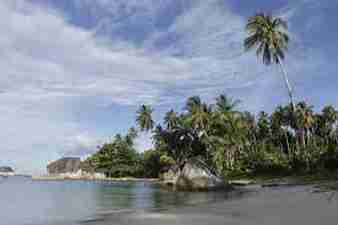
(6, 171)
(70, 168)
(213, 146)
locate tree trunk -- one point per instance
(287, 142)
(287, 83)
(302, 136)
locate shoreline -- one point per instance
(126, 179)
(324, 182)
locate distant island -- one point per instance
(6, 171)
(70, 168)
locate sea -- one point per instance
(27, 202)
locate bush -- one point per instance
(263, 161)
(151, 164)
(329, 159)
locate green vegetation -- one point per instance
(292, 139)
(230, 142)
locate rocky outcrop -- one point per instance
(6, 171)
(64, 165)
(71, 168)
(195, 176)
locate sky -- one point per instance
(73, 72)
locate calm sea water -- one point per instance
(27, 202)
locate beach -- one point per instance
(257, 206)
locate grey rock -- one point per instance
(197, 177)
(241, 182)
(6, 169)
(64, 165)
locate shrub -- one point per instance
(263, 161)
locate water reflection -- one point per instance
(25, 202)
(148, 196)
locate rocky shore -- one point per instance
(194, 176)
(89, 178)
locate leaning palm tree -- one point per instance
(268, 35)
(144, 118)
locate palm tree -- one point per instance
(131, 135)
(144, 118)
(171, 120)
(327, 122)
(280, 125)
(264, 128)
(225, 104)
(200, 118)
(269, 36)
(199, 113)
(304, 121)
(193, 103)
(330, 116)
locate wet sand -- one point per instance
(300, 205)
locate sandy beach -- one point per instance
(258, 206)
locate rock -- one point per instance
(6, 171)
(64, 166)
(71, 168)
(279, 184)
(241, 182)
(169, 175)
(196, 177)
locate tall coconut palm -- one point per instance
(171, 120)
(144, 118)
(268, 35)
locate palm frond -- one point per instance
(278, 22)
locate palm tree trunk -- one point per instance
(287, 82)
(287, 142)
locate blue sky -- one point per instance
(73, 72)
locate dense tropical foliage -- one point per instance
(229, 141)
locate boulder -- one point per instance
(64, 166)
(195, 176)
(169, 174)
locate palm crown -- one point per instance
(268, 35)
(144, 118)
